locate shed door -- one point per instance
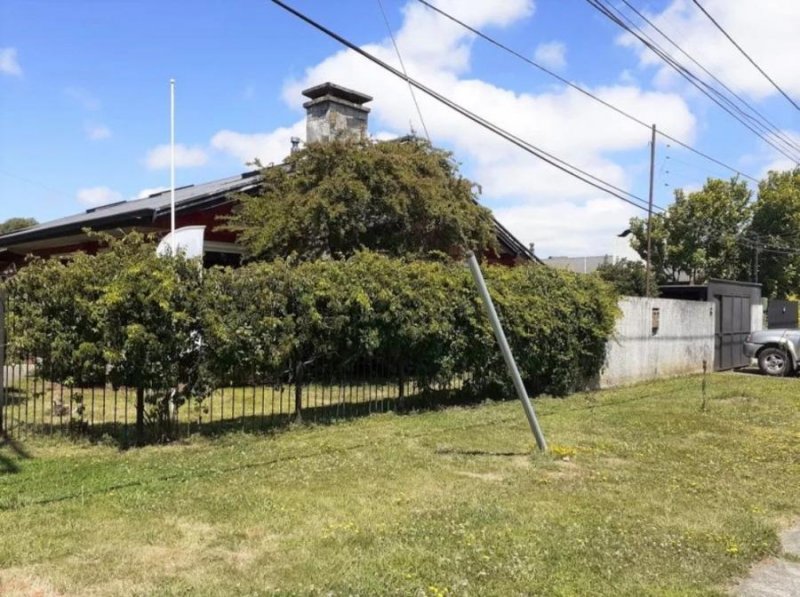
(733, 326)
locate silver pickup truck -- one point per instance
(777, 351)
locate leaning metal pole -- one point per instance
(506, 350)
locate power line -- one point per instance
(585, 92)
(608, 10)
(746, 55)
(774, 129)
(554, 161)
(405, 72)
(680, 69)
(763, 129)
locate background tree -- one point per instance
(702, 234)
(334, 199)
(776, 226)
(627, 277)
(12, 224)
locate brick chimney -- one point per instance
(335, 112)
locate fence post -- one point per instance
(401, 384)
(140, 416)
(298, 392)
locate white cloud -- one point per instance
(95, 196)
(766, 29)
(159, 157)
(84, 98)
(567, 228)
(267, 147)
(542, 205)
(97, 132)
(9, 65)
(766, 158)
(552, 54)
(151, 191)
(426, 33)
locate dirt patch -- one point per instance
(732, 399)
(522, 461)
(565, 470)
(614, 462)
(17, 584)
(495, 477)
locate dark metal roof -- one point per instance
(148, 208)
(188, 197)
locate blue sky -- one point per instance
(84, 98)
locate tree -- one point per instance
(775, 231)
(627, 277)
(330, 200)
(701, 235)
(12, 224)
(125, 315)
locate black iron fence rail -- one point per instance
(33, 403)
(34, 399)
(37, 400)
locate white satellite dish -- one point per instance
(188, 240)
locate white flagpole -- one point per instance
(172, 162)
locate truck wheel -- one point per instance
(773, 361)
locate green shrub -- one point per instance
(418, 320)
(123, 315)
(159, 323)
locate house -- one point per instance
(580, 265)
(332, 112)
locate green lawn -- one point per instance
(642, 493)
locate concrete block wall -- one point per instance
(638, 352)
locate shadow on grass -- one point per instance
(449, 451)
(756, 371)
(7, 464)
(124, 435)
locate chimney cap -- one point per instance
(337, 91)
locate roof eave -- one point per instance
(18, 237)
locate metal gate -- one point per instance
(732, 327)
(735, 304)
(781, 314)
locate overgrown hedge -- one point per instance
(159, 323)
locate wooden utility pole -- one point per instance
(648, 285)
(757, 255)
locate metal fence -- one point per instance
(34, 401)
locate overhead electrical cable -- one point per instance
(584, 91)
(768, 129)
(684, 72)
(746, 55)
(405, 72)
(776, 131)
(549, 158)
(618, 17)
